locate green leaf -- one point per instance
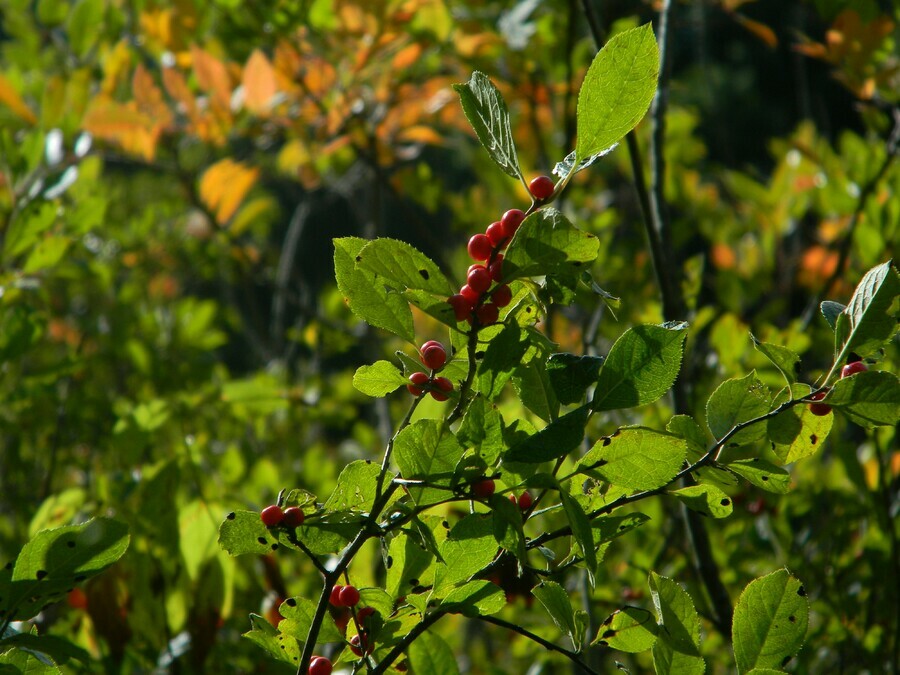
(536, 391)
(482, 429)
(508, 526)
(784, 359)
(298, 616)
(871, 323)
(870, 398)
(607, 528)
(555, 440)
(476, 598)
(635, 458)
(770, 622)
(56, 560)
(487, 113)
(641, 366)
(61, 651)
(46, 254)
(762, 474)
(379, 379)
(677, 648)
(469, 547)
(401, 266)
(501, 358)
(281, 647)
(367, 298)
(735, 401)
(706, 499)
(355, 489)
(555, 600)
(630, 629)
(796, 433)
(571, 375)
(617, 90)
(84, 23)
(26, 662)
(428, 450)
(428, 653)
(408, 560)
(433, 305)
(243, 532)
(564, 168)
(831, 311)
(581, 533)
(546, 243)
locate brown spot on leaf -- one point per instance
(41, 574)
(231, 516)
(424, 274)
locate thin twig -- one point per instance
(546, 644)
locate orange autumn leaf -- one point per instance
(149, 97)
(723, 256)
(11, 99)
(760, 30)
(259, 83)
(123, 125)
(212, 76)
(224, 186)
(420, 134)
(407, 56)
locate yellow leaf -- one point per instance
(11, 99)
(259, 83)
(224, 186)
(123, 125)
(420, 134)
(212, 76)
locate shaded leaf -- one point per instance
(547, 243)
(555, 440)
(677, 648)
(706, 499)
(555, 600)
(870, 398)
(635, 458)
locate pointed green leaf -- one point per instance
(635, 458)
(641, 366)
(831, 311)
(677, 648)
(508, 525)
(581, 533)
(762, 474)
(298, 616)
(870, 398)
(378, 379)
(355, 489)
(408, 561)
(428, 450)
(738, 400)
(469, 547)
(482, 429)
(630, 629)
(784, 359)
(396, 264)
(281, 647)
(571, 375)
(433, 305)
(770, 622)
(607, 528)
(871, 323)
(536, 391)
(617, 90)
(706, 499)
(56, 560)
(556, 601)
(487, 113)
(547, 243)
(368, 299)
(501, 358)
(566, 166)
(60, 650)
(555, 440)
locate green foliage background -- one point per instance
(174, 348)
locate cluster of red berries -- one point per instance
(433, 356)
(822, 409)
(524, 500)
(274, 515)
(348, 596)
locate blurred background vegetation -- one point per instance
(173, 346)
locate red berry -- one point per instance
(483, 488)
(293, 516)
(77, 599)
(335, 597)
(319, 666)
(434, 356)
(820, 409)
(496, 269)
(462, 308)
(417, 381)
(359, 643)
(853, 368)
(349, 596)
(480, 247)
(542, 187)
(445, 386)
(470, 295)
(272, 515)
(512, 498)
(487, 314)
(496, 235)
(364, 613)
(511, 221)
(525, 501)
(479, 279)
(502, 296)
(430, 343)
